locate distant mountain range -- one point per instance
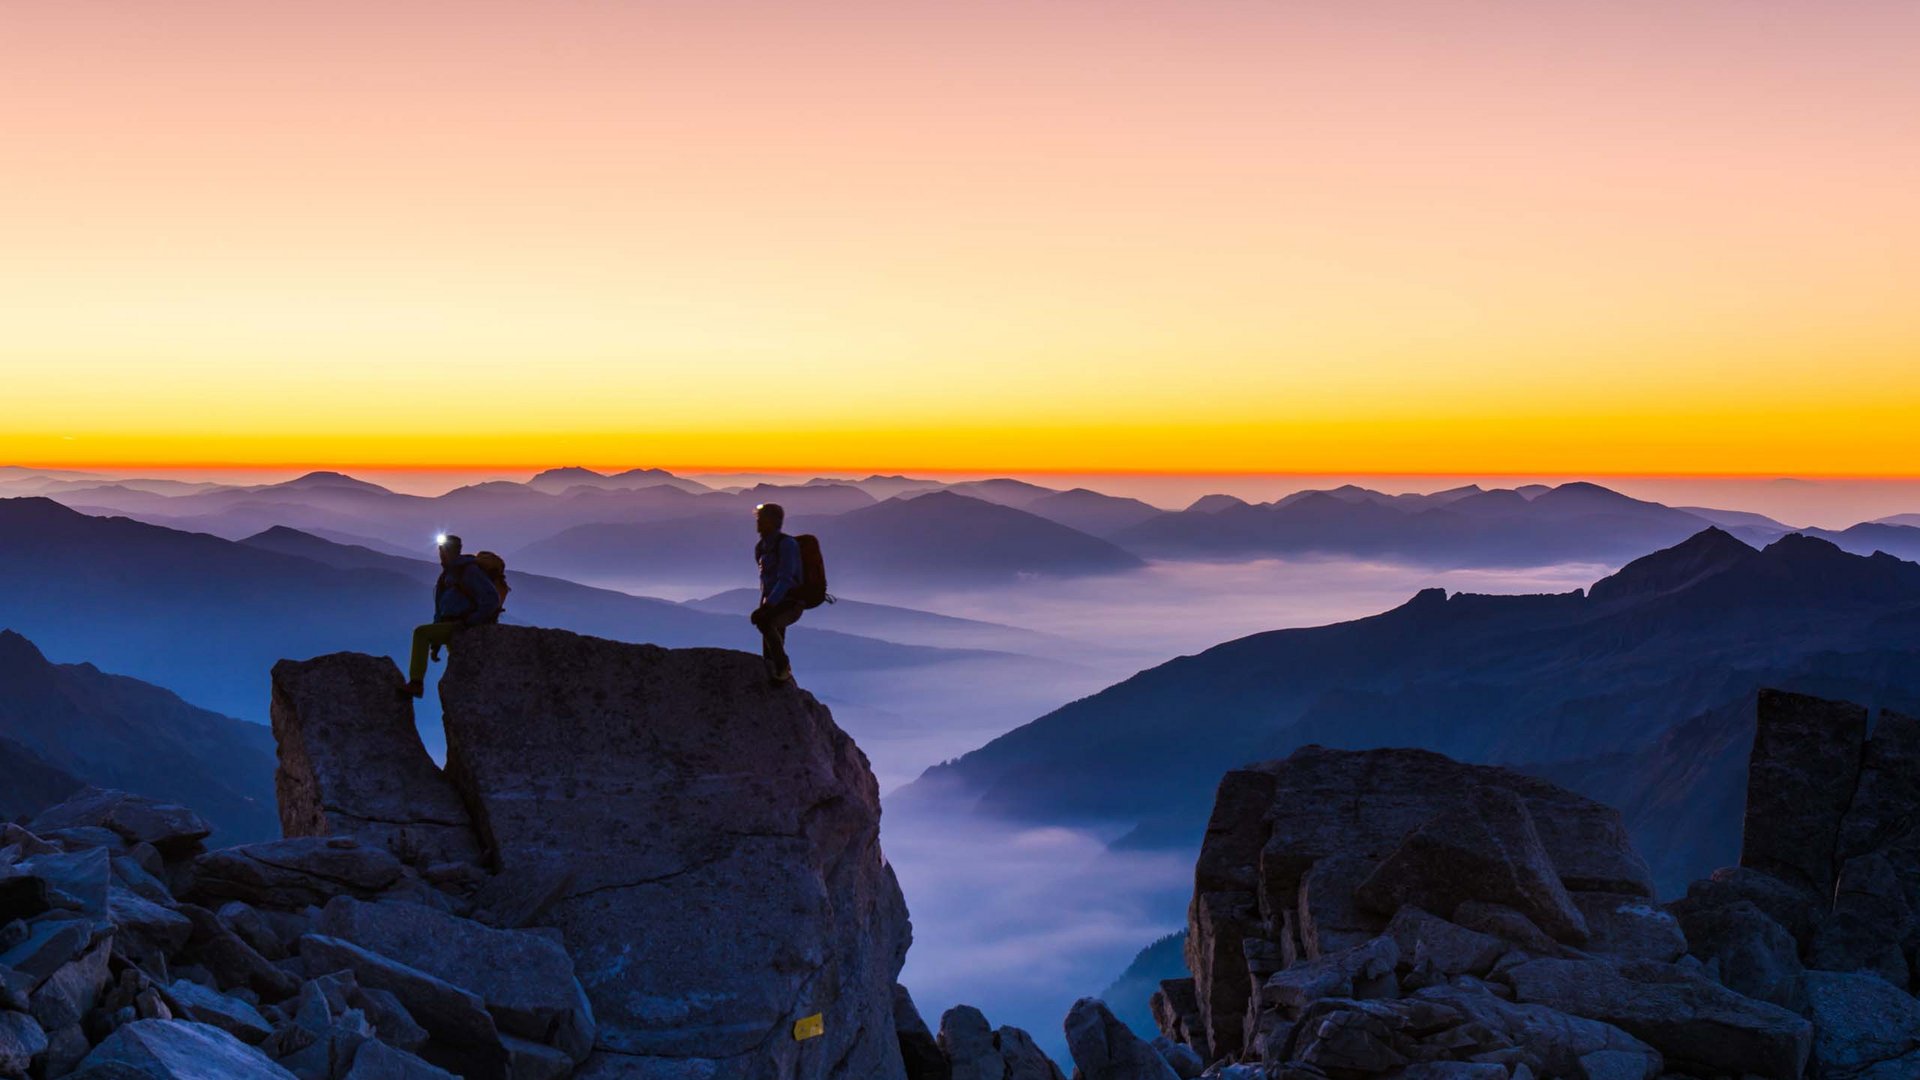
(1638, 690)
(66, 725)
(940, 538)
(678, 525)
(207, 617)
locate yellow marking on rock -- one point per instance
(809, 1027)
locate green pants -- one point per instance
(425, 637)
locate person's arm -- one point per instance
(788, 575)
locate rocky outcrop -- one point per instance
(1395, 914)
(351, 762)
(644, 863)
(721, 836)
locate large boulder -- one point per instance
(724, 833)
(351, 761)
(1104, 1049)
(1861, 1023)
(1287, 837)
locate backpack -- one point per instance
(813, 573)
(495, 568)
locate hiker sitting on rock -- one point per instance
(780, 576)
(466, 595)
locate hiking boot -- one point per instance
(415, 689)
(784, 675)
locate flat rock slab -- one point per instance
(725, 836)
(1690, 1019)
(351, 761)
(293, 873)
(180, 1050)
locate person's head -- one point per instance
(449, 549)
(768, 517)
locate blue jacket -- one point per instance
(778, 573)
(465, 594)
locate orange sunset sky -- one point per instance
(1209, 235)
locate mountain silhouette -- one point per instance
(78, 724)
(1460, 527)
(1651, 666)
(940, 539)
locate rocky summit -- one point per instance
(639, 862)
(1396, 914)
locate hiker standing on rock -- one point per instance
(780, 576)
(469, 593)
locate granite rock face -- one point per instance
(352, 762)
(723, 836)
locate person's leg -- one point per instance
(425, 636)
(773, 635)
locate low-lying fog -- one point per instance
(1020, 922)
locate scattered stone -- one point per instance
(464, 1037)
(1630, 926)
(191, 1001)
(1859, 1021)
(378, 1061)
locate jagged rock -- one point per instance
(132, 875)
(1753, 954)
(191, 1001)
(973, 1050)
(135, 819)
(377, 1061)
(1025, 1060)
(1364, 971)
(1630, 926)
(525, 978)
(231, 961)
(1103, 1048)
(919, 1050)
(83, 877)
(68, 993)
(1423, 938)
(50, 943)
(391, 1021)
(21, 1040)
(1176, 1013)
(249, 926)
(1693, 1021)
(351, 762)
(1800, 779)
(1548, 1042)
(1274, 822)
(465, 1039)
(1795, 907)
(144, 928)
(293, 873)
(1859, 1022)
(181, 1050)
(670, 778)
(1483, 848)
